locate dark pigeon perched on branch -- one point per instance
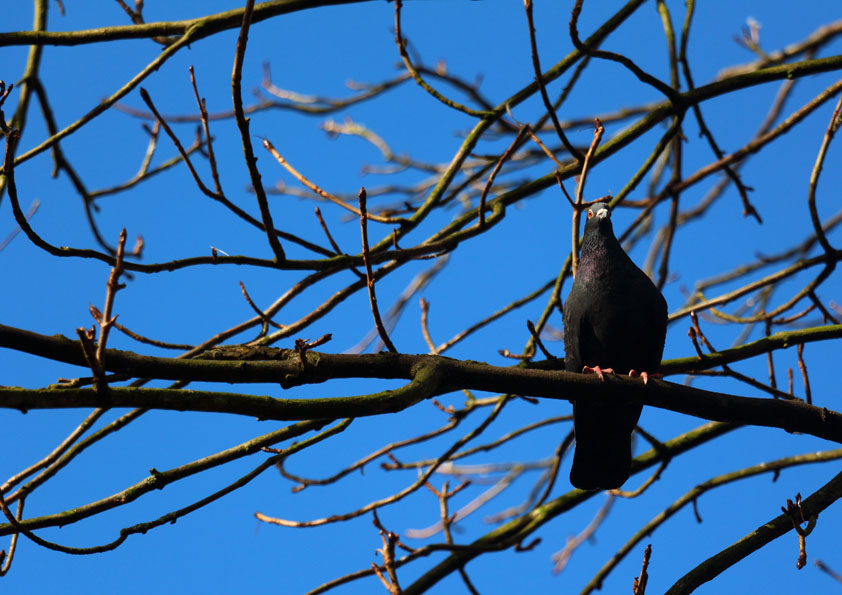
(615, 319)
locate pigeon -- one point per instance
(615, 319)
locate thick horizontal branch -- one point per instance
(792, 416)
(425, 384)
(430, 375)
(268, 364)
(231, 19)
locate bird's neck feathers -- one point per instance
(600, 253)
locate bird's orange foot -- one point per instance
(598, 371)
(644, 375)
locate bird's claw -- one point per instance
(644, 375)
(598, 371)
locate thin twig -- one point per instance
(243, 126)
(258, 311)
(388, 552)
(544, 148)
(59, 450)
(401, 43)
(832, 127)
(539, 78)
(803, 367)
(599, 130)
(640, 583)
(671, 94)
(203, 112)
(536, 337)
(506, 154)
(561, 558)
(320, 191)
(360, 464)
(107, 320)
(372, 296)
(770, 362)
(6, 558)
(827, 570)
(425, 331)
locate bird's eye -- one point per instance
(590, 213)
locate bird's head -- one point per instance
(599, 215)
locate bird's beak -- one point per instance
(603, 214)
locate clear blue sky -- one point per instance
(222, 548)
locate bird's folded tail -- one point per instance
(602, 459)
